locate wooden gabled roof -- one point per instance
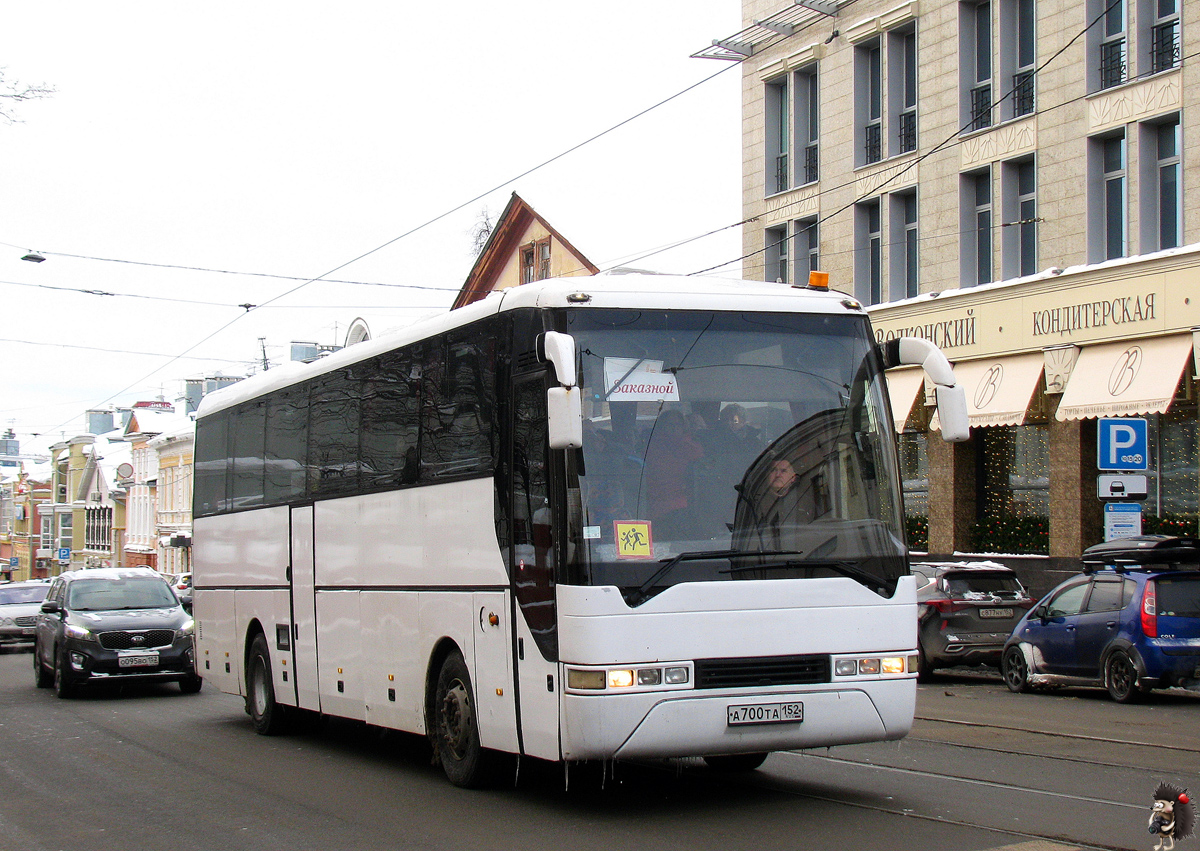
(511, 231)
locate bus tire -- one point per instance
(268, 716)
(456, 731)
(735, 762)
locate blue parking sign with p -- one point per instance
(1122, 444)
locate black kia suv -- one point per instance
(113, 624)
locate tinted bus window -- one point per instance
(209, 495)
(390, 414)
(286, 446)
(248, 424)
(333, 435)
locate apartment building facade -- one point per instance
(1015, 180)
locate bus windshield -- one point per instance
(731, 446)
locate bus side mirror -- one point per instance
(951, 397)
(559, 350)
(564, 417)
(952, 411)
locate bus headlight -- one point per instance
(620, 678)
(875, 666)
(579, 678)
(630, 678)
(677, 676)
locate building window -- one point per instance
(778, 136)
(1019, 236)
(807, 126)
(903, 254)
(1018, 46)
(1014, 500)
(1160, 181)
(808, 251)
(976, 64)
(46, 540)
(869, 101)
(1106, 198)
(976, 196)
(913, 452)
(1112, 47)
(902, 90)
(868, 272)
(65, 526)
(535, 261)
(1163, 36)
(777, 254)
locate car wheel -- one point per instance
(41, 677)
(1120, 678)
(191, 684)
(1015, 669)
(456, 731)
(735, 762)
(269, 718)
(924, 669)
(63, 687)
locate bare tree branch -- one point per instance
(14, 92)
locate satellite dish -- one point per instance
(125, 471)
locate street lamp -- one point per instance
(33, 257)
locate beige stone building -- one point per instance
(1016, 180)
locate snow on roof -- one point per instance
(149, 421)
(184, 426)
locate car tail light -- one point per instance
(1149, 611)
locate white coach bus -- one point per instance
(620, 517)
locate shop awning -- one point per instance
(903, 387)
(999, 389)
(1129, 377)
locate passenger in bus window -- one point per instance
(783, 509)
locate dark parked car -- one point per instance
(20, 603)
(965, 612)
(1129, 623)
(113, 624)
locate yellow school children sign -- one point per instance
(633, 539)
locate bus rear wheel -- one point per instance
(268, 716)
(456, 732)
(735, 762)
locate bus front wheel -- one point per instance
(456, 732)
(269, 718)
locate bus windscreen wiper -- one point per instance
(846, 568)
(642, 593)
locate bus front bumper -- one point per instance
(692, 723)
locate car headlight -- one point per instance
(186, 630)
(6, 621)
(79, 633)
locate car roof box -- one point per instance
(1143, 550)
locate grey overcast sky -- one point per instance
(189, 141)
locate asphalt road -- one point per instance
(146, 768)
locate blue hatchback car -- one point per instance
(1129, 623)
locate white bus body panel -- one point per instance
(365, 612)
(703, 620)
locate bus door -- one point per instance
(533, 562)
(302, 578)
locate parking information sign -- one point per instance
(1122, 520)
(64, 554)
(1122, 444)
